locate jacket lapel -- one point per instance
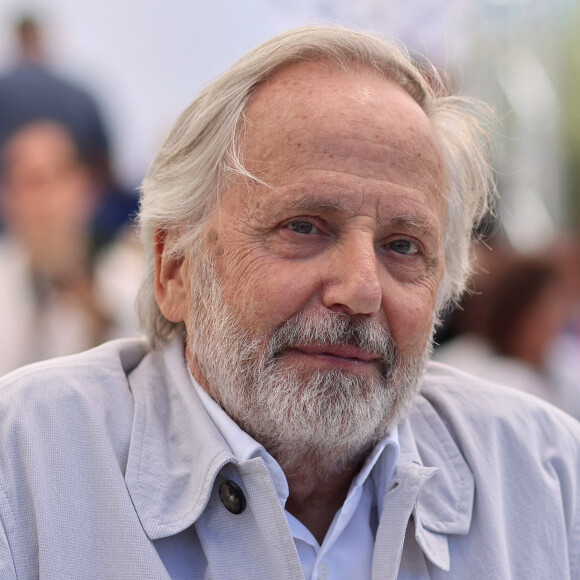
(434, 483)
(176, 451)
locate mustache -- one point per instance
(325, 327)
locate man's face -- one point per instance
(353, 218)
(347, 226)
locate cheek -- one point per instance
(266, 293)
(410, 318)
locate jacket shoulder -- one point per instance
(522, 453)
(71, 395)
(502, 433)
(462, 398)
(93, 369)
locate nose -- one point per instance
(352, 283)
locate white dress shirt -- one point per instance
(347, 549)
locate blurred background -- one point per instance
(89, 89)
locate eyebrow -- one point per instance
(415, 223)
(411, 223)
(307, 202)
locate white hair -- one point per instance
(200, 155)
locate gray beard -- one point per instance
(315, 423)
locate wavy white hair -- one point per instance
(200, 155)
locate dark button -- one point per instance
(232, 497)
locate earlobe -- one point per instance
(170, 278)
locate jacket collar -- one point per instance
(169, 474)
(445, 502)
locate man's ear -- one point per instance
(170, 278)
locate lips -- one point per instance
(337, 350)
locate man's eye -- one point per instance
(303, 227)
(403, 247)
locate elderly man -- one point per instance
(304, 223)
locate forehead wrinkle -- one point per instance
(374, 149)
(386, 158)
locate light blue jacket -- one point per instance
(110, 469)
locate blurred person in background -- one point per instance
(32, 91)
(506, 328)
(52, 298)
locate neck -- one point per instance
(314, 500)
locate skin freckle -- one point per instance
(212, 236)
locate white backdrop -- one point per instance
(146, 59)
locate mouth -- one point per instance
(334, 355)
